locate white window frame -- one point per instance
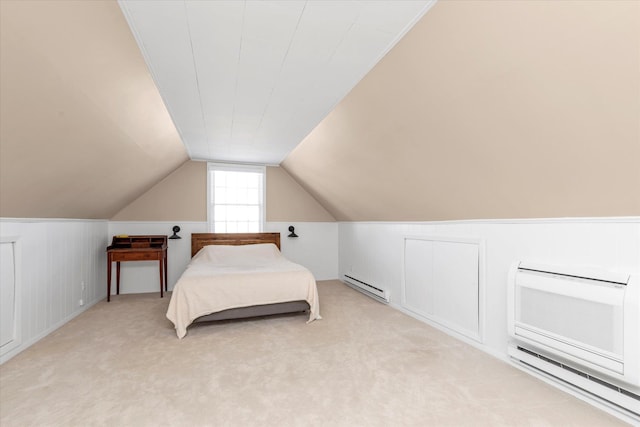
(234, 168)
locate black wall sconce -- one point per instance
(175, 233)
(293, 231)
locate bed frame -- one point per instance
(200, 240)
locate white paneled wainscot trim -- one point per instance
(10, 287)
(316, 248)
(443, 281)
(374, 251)
(59, 270)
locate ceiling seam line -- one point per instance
(346, 34)
(195, 69)
(235, 90)
(152, 71)
(286, 54)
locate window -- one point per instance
(235, 198)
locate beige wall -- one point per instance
(83, 130)
(288, 201)
(489, 109)
(182, 196)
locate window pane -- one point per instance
(253, 213)
(241, 179)
(233, 213)
(220, 195)
(243, 227)
(232, 179)
(232, 227)
(243, 213)
(231, 195)
(220, 213)
(253, 196)
(220, 227)
(253, 180)
(220, 178)
(237, 213)
(241, 196)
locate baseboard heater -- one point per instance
(367, 289)
(618, 399)
(579, 327)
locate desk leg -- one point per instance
(166, 281)
(118, 277)
(108, 278)
(160, 264)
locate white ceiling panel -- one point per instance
(246, 81)
(216, 37)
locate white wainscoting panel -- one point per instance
(316, 249)
(442, 279)
(316, 246)
(10, 337)
(374, 251)
(61, 272)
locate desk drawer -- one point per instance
(136, 256)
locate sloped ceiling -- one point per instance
(489, 109)
(83, 130)
(246, 81)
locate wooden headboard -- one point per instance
(200, 240)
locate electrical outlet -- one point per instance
(81, 302)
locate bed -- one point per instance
(240, 275)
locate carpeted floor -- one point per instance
(364, 364)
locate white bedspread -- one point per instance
(221, 277)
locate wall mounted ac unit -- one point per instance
(580, 326)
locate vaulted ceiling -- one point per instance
(246, 81)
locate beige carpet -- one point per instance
(364, 364)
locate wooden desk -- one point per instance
(137, 248)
